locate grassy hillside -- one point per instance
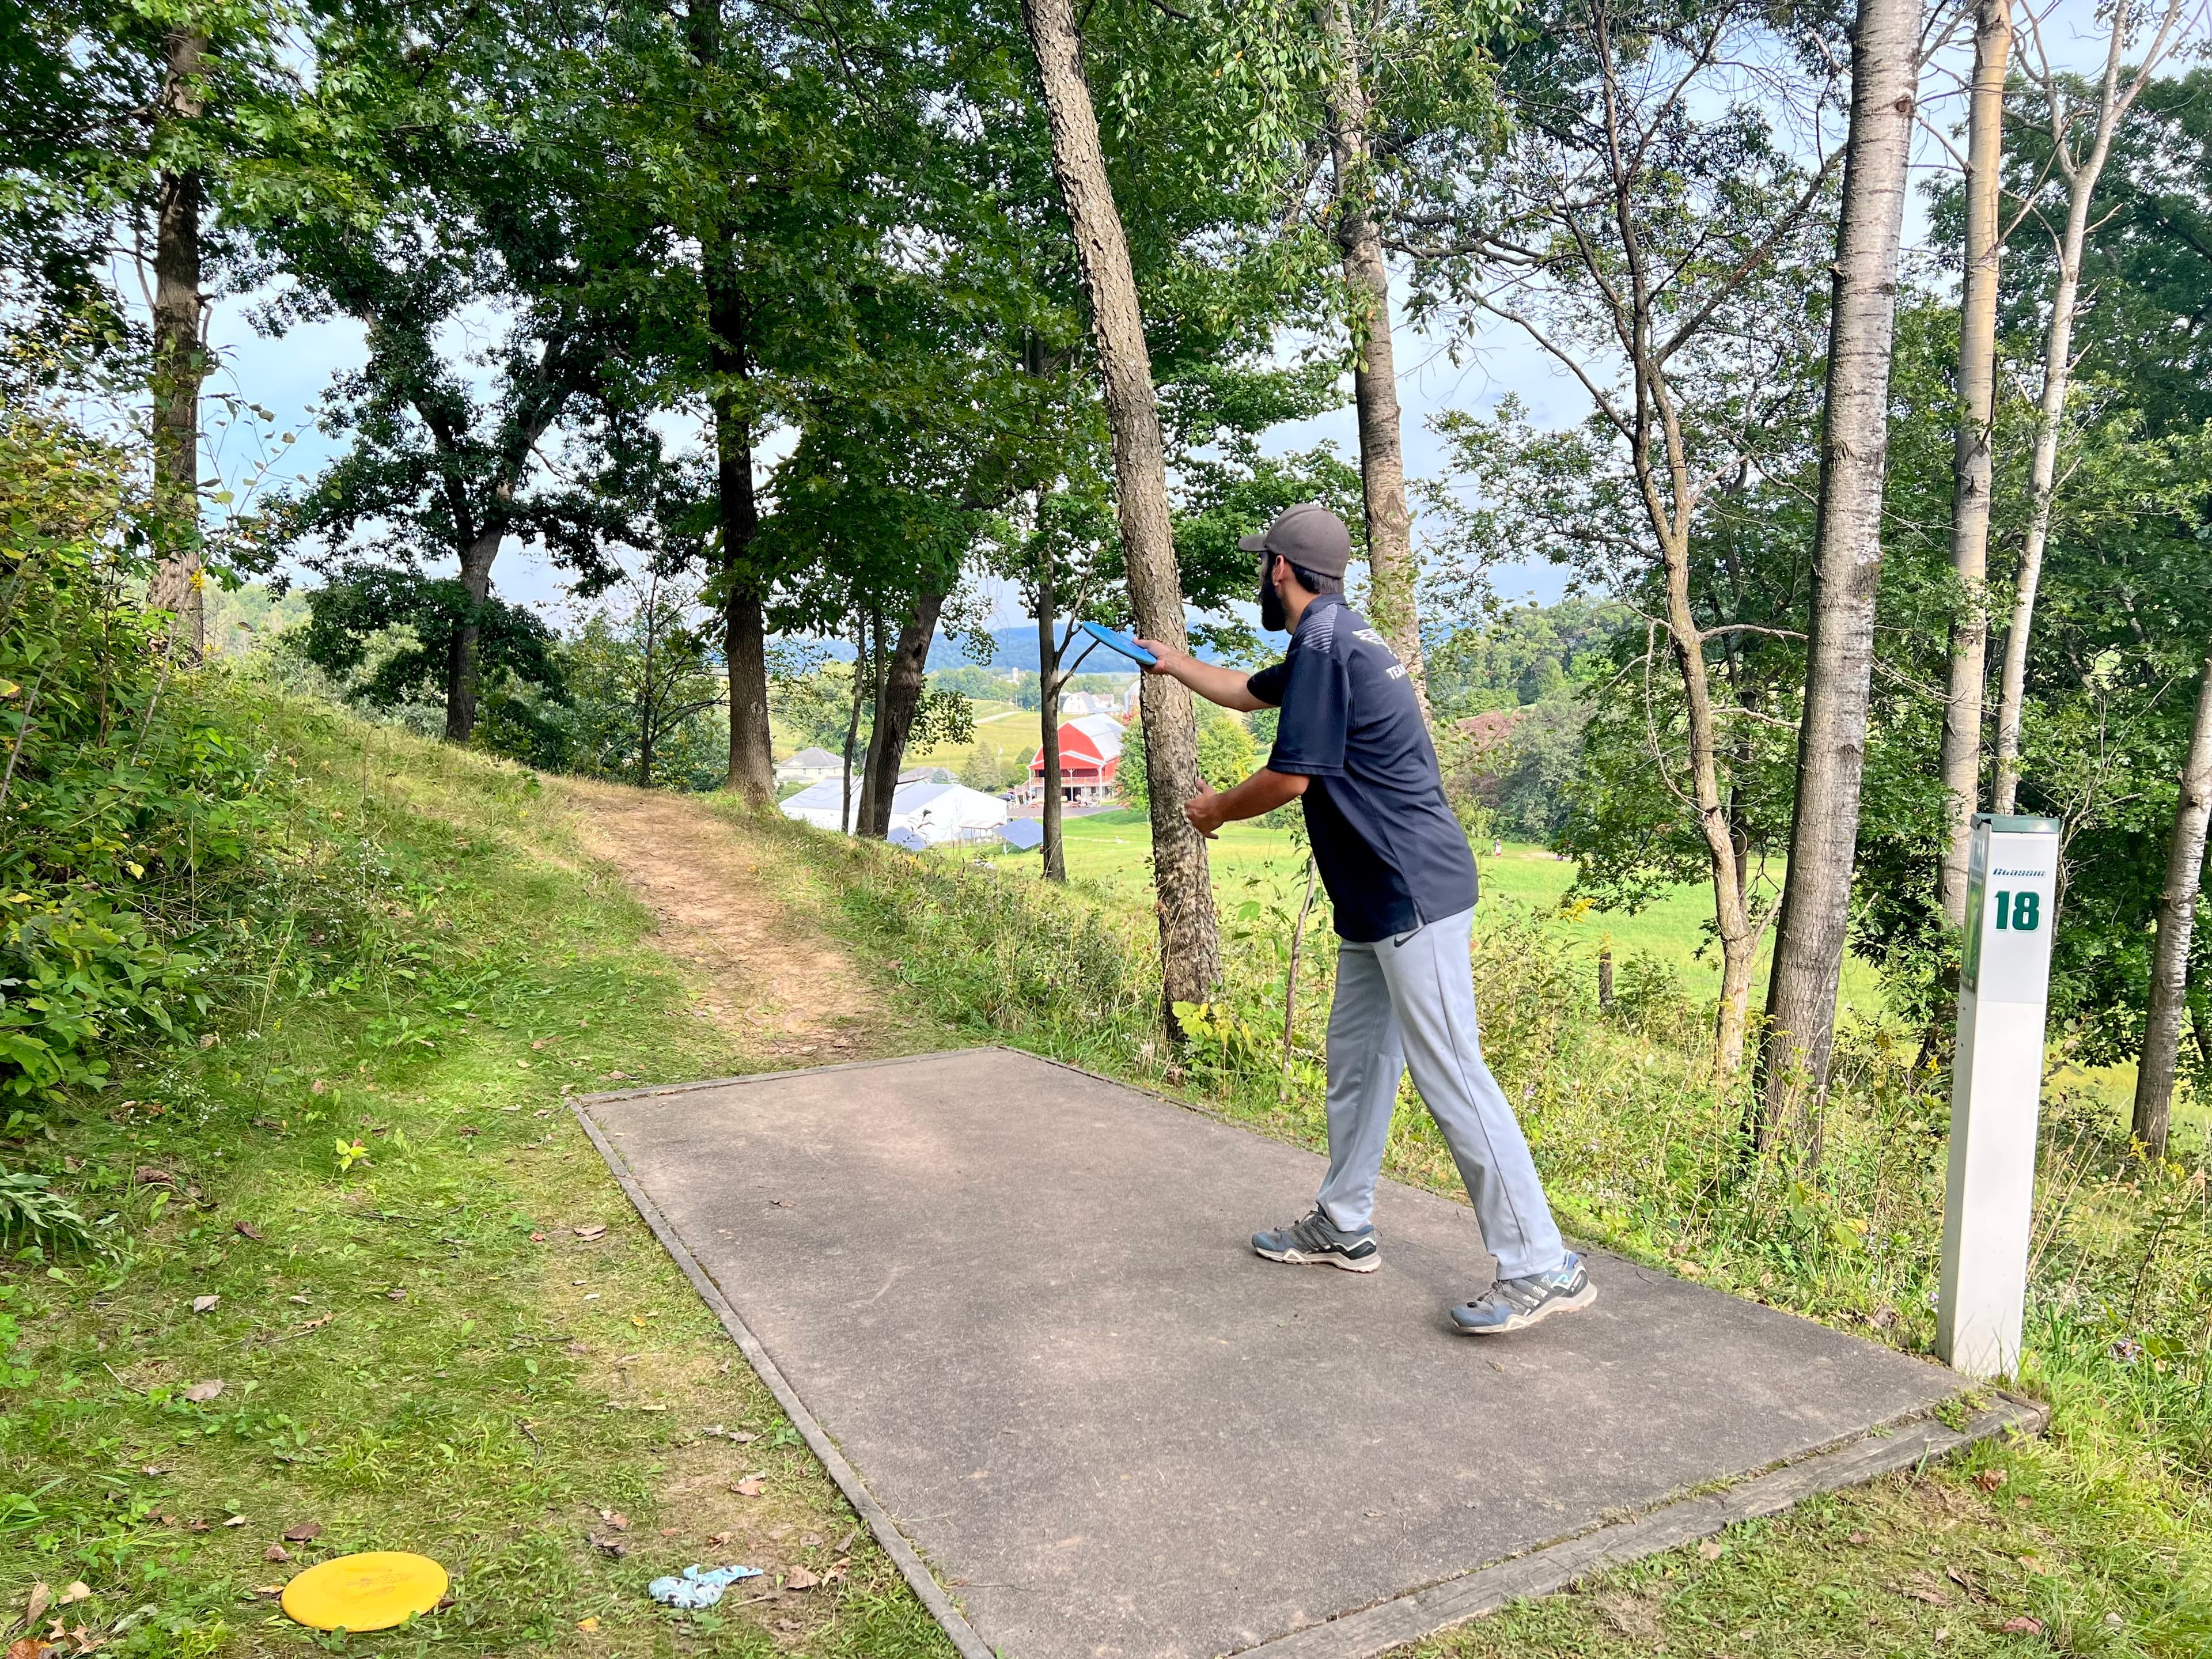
(425, 1340)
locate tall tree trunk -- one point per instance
(744, 629)
(1393, 604)
(2177, 924)
(1810, 935)
(1961, 764)
(1190, 945)
(180, 359)
(845, 819)
(1055, 849)
(873, 764)
(461, 668)
(904, 680)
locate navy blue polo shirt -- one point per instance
(1390, 850)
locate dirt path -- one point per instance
(772, 975)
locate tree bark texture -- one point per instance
(1961, 764)
(1190, 949)
(2081, 176)
(2176, 925)
(1809, 939)
(180, 359)
(873, 763)
(903, 683)
(744, 630)
(462, 675)
(1393, 604)
(845, 819)
(1055, 848)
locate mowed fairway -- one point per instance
(1111, 849)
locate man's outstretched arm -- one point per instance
(1258, 795)
(1215, 684)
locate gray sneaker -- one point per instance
(1515, 1305)
(1318, 1240)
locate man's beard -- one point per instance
(1272, 617)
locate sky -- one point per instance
(286, 375)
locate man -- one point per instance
(1351, 746)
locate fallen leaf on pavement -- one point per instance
(205, 1303)
(200, 1392)
(304, 1533)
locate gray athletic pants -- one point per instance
(1410, 1000)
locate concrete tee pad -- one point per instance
(1019, 1301)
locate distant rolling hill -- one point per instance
(1012, 647)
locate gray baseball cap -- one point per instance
(1309, 535)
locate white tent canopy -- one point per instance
(935, 812)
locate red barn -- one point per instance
(1090, 755)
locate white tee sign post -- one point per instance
(1996, 1091)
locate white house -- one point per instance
(809, 766)
(934, 812)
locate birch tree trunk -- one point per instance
(2081, 172)
(1190, 949)
(181, 361)
(2176, 925)
(1392, 605)
(1810, 935)
(1962, 762)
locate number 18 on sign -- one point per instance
(1997, 1089)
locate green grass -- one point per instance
(1113, 851)
(420, 1352)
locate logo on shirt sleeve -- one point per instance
(1397, 671)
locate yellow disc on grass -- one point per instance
(372, 1591)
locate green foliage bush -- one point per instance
(123, 804)
(1226, 755)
